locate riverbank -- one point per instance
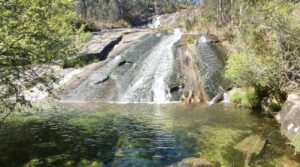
(262, 45)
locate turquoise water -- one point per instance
(93, 134)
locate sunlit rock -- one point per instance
(284, 161)
(193, 162)
(199, 68)
(289, 116)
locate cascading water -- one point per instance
(212, 67)
(139, 75)
(149, 83)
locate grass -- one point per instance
(247, 99)
(296, 144)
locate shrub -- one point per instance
(245, 70)
(296, 143)
(247, 98)
(79, 61)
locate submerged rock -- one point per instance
(290, 116)
(284, 161)
(193, 162)
(251, 146)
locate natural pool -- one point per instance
(93, 134)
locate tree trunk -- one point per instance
(232, 12)
(241, 14)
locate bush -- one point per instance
(77, 62)
(247, 99)
(245, 70)
(296, 143)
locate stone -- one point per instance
(200, 85)
(284, 161)
(106, 78)
(290, 116)
(251, 145)
(193, 162)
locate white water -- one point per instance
(226, 98)
(149, 85)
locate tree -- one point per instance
(33, 35)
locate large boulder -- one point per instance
(290, 116)
(199, 67)
(188, 70)
(251, 146)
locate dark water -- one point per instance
(94, 134)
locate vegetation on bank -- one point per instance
(98, 14)
(34, 34)
(263, 42)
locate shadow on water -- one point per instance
(135, 135)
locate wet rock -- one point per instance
(193, 162)
(125, 62)
(290, 116)
(251, 145)
(284, 161)
(103, 80)
(199, 66)
(101, 45)
(175, 88)
(188, 71)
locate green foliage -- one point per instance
(77, 62)
(102, 12)
(245, 70)
(247, 99)
(236, 98)
(84, 36)
(192, 41)
(33, 35)
(263, 40)
(296, 143)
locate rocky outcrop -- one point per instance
(199, 66)
(193, 162)
(289, 116)
(102, 43)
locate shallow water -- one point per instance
(136, 135)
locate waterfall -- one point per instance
(226, 98)
(212, 66)
(149, 83)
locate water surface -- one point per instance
(136, 135)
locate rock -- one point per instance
(284, 161)
(103, 80)
(193, 162)
(290, 116)
(189, 70)
(251, 145)
(125, 62)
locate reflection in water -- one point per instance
(134, 135)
